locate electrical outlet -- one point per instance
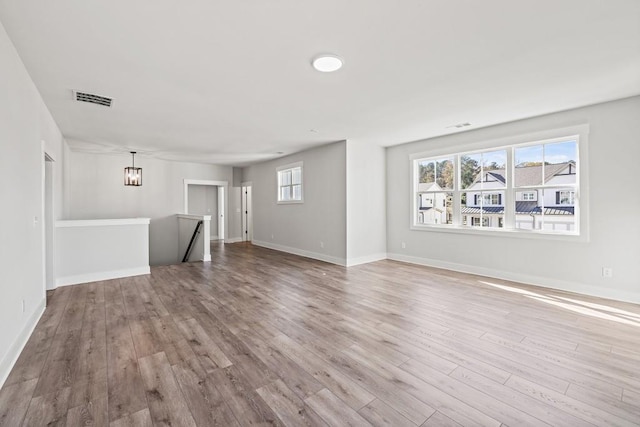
(607, 272)
(322, 244)
(23, 306)
(404, 245)
(272, 237)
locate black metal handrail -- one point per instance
(187, 254)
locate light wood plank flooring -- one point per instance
(259, 337)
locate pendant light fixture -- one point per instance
(132, 174)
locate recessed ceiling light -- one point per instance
(327, 63)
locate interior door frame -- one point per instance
(47, 218)
(223, 187)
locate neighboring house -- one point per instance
(550, 208)
(433, 207)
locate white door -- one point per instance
(247, 214)
(221, 229)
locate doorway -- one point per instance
(247, 213)
(48, 222)
(203, 200)
(207, 198)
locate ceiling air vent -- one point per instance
(459, 125)
(92, 99)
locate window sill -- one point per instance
(519, 234)
(290, 202)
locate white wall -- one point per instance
(24, 124)
(301, 227)
(366, 208)
(88, 251)
(96, 191)
(614, 242)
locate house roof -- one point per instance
(522, 208)
(428, 186)
(527, 175)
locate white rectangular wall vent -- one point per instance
(459, 125)
(92, 99)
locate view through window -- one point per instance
(520, 187)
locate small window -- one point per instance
(528, 196)
(290, 183)
(492, 199)
(565, 197)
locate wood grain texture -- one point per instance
(440, 420)
(205, 401)
(259, 337)
(333, 410)
(14, 401)
(291, 410)
(379, 413)
(48, 409)
(138, 419)
(166, 403)
(93, 413)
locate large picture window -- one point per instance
(290, 183)
(530, 187)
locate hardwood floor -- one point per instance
(258, 337)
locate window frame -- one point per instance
(442, 149)
(285, 168)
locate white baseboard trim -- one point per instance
(545, 282)
(366, 259)
(233, 240)
(206, 258)
(301, 252)
(102, 275)
(16, 348)
(213, 238)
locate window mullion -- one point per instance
(509, 193)
(457, 216)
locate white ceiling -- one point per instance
(230, 82)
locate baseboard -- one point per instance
(301, 252)
(213, 238)
(233, 240)
(16, 348)
(366, 259)
(545, 282)
(102, 275)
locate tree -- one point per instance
(469, 169)
(444, 173)
(493, 166)
(527, 164)
(427, 172)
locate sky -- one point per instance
(553, 153)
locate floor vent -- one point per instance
(92, 99)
